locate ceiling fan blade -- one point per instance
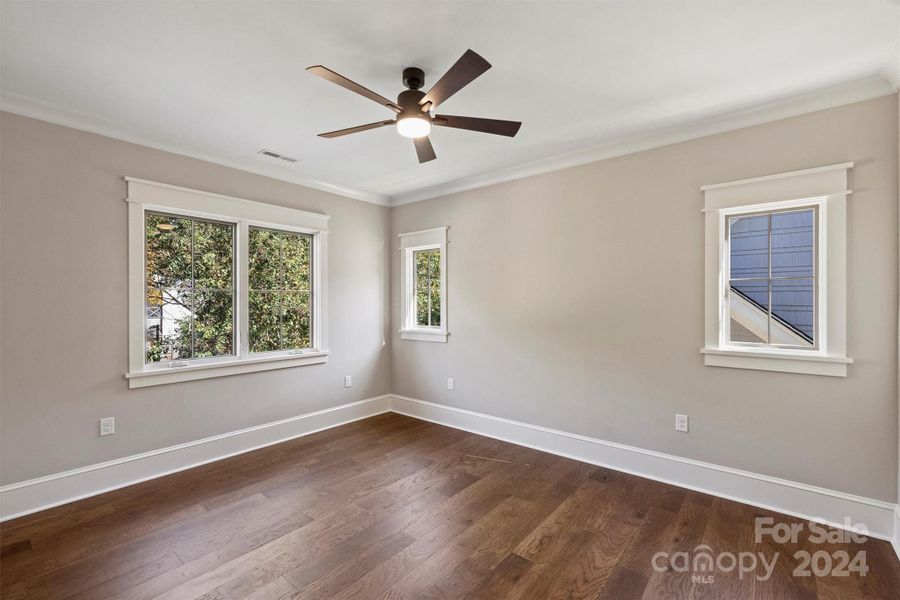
(424, 149)
(357, 129)
(463, 72)
(495, 126)
(329, 75)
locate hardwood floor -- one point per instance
(392, 508)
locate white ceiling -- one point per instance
(221, 80)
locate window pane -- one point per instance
(185, 260)
(168, 324)
(213, 323)
(434, 269)
(295, 320)
(749, 243)
(423, 287)
(749, 311)
(213, 255)
(280, 287)
(793, 311)
(264, 321)
(265, 259)
(168, 251)
(793, 237)
(296, 254)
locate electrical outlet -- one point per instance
(681, 423)
(449, 383)
(347, 381)
(107, 425)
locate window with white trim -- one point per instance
(775, 272)
(424, 285)
(221, 286)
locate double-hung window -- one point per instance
(775, 272)
(220, 285)
(424, 285)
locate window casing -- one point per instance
(223, 278)
(424, 285)
(776, 272)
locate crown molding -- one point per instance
(867, 88)
(882, 84)
(45, 111)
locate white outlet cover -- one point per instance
(107, 426)
(449, 383)
(348, 381)
(681, 423)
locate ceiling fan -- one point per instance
(415, 109)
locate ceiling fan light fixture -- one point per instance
(413, 126)
(414, 108)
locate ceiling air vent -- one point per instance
(270, 153)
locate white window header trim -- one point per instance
(424, 238)
(836, 167)
(164, 195)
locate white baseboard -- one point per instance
(790, 497)
(882, 519)
(25, 497)
(896, 540)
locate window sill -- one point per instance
(424, 335)
(785, 362)
(161, 376)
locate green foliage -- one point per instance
(428, 288)
(190, 289)
(280, 305)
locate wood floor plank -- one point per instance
(502, 579)
(392, 508)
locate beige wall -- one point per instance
(555, 312)
(576, 302)
(63, 305)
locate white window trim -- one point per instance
(144, 196)
(427, 239)
(824, 188)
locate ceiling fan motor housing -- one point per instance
(408, 100)
(413, 78)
